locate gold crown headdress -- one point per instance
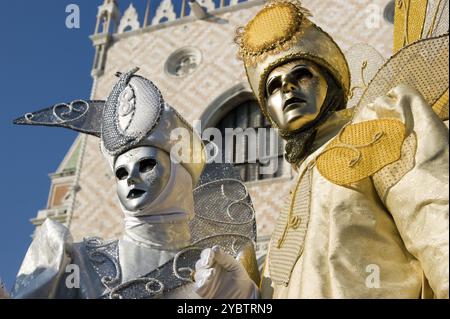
(281, 32)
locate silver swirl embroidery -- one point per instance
(234, 201)
(71, 108)
(29, 117)
(240, 203)
(148, 282)
(99, 256)
(222, 188)
(233, 247)
(176, 270)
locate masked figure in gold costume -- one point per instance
(367, 216)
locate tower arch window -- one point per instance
(102, 23)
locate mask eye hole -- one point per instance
(273, 85)
(146, 165)
(121, 173)
(302, 73)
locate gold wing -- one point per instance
(416, 20)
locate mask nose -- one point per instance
(288, 84)
(133, 178)
(131, 181)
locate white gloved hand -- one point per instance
(219, 276)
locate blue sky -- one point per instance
(41, 63)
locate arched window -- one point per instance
(103, 26)
(248, 115)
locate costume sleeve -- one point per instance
(415, 188)
(42, 274)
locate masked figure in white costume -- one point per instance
(368, 214)
(167, 220)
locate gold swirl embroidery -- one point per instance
(355, 148)
(360, 150)
(293, 221)
(363, 79)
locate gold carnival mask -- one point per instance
(295, 94)
(280, 33)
